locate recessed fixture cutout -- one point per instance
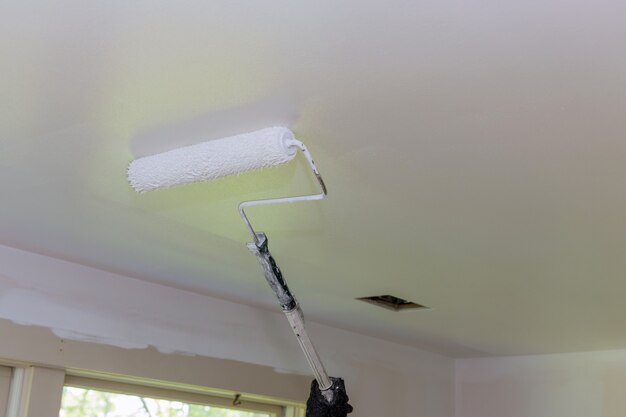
(392, 303)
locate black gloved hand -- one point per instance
(318, 406)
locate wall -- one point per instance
(87, 304)
(573, 385)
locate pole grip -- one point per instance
(296, 319)
(290, 307)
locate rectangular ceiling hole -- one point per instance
(392, 303)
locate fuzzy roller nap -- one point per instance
(212, 159)
(232, 155)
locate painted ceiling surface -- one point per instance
(474, 153)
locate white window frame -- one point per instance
(173, 395)
(5, 386)
(36, 391)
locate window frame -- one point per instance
(170, 394)
(6, 376)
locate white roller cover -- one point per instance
(213, 159)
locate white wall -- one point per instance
(573, 385)
(87, 304)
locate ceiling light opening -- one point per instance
(392, 303)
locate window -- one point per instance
(92, 398)
(5, 385)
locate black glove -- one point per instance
(318, 406)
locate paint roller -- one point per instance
(229, 156)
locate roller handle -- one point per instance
(296, 319)
(292, 310)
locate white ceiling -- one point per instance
(474, 154)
